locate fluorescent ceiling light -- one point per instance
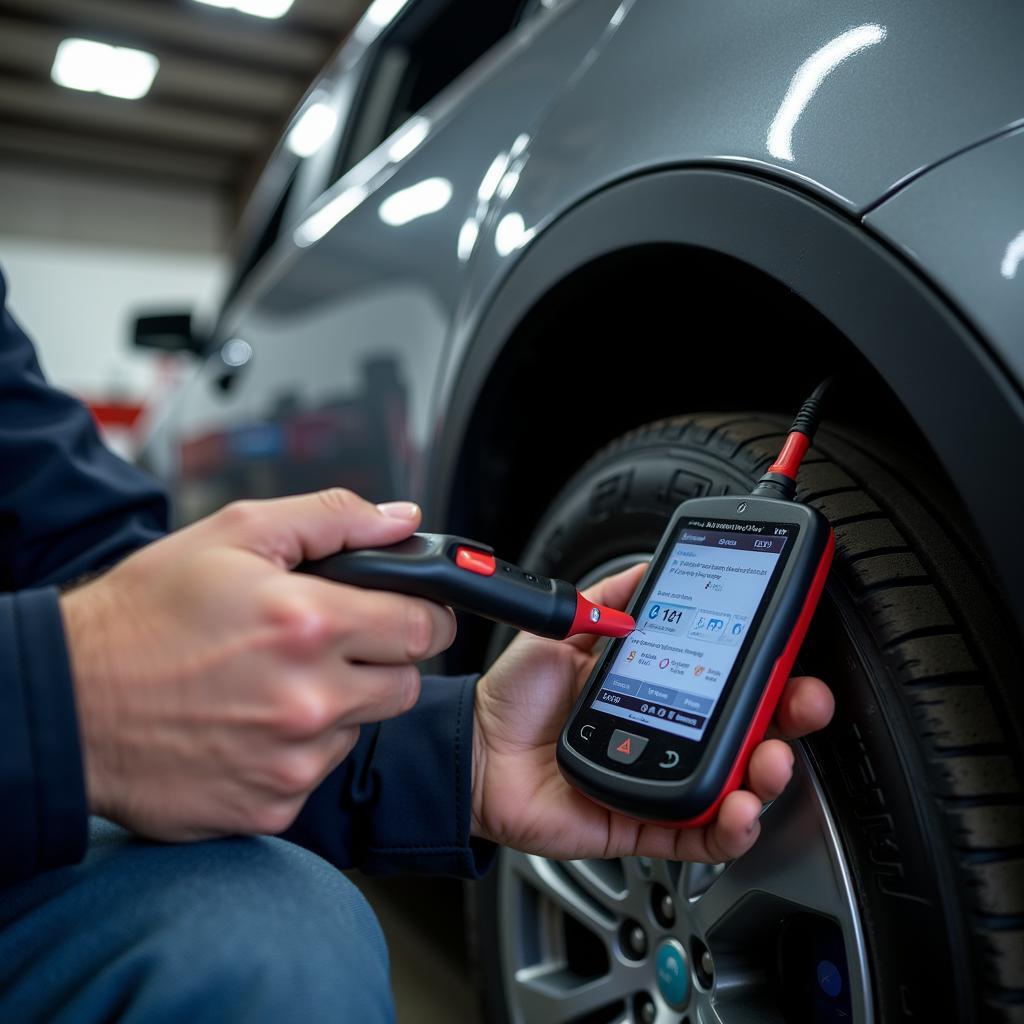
(258, 8)
(312, 130)
(98, 67)
(416, 201)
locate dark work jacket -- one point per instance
(68, 506)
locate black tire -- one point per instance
(921, 767)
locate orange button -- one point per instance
(475, 561)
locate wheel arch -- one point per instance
(771, 274)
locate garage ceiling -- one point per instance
(226, 85)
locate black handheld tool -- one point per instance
(466, 574)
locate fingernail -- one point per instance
(399, 509)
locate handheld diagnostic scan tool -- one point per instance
(666, 724)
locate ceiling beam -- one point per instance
(204, 31)
(29, 48)
(59, 149)
(46, 103)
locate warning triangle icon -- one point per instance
(623, 747)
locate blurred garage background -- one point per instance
(122, 175)
(131, 134)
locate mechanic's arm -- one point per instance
(67, 506)
(216, 689)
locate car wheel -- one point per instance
(888, 882)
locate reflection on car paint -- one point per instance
(808, 79)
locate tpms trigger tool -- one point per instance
(466, 574)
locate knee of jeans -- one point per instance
(256, 929)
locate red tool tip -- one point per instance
(600, 620)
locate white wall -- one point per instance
(82, 256)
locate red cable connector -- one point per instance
(780, 479)
(787, 462)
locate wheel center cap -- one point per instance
(673, 974)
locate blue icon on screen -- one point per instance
(737, 629)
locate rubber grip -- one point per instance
(424, 566)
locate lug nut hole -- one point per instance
(644, 1010)
(703, 963)
(633, 940)
(663, 906)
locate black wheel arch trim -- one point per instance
(961, 398)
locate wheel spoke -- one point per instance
(573, 889)
(640, 871)
(603, 881)
(705, 1012)
(553, 994)
(791, 861)
(697, 878)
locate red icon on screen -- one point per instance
(623, 747)
(663, 663)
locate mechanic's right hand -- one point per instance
(216, 689)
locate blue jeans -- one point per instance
(234, 930)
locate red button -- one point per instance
(475, 561)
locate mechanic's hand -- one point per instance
(215, 689)
(520, 798)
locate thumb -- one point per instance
(287, 531)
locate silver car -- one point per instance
(554, 267)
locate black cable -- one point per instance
(780, 480)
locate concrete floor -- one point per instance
(430, 970)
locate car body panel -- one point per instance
(846, 101)
(962, 224)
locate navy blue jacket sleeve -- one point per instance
(68, 506)
(401, 801)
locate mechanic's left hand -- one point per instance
(520, 798)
